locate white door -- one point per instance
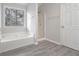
(70, 25)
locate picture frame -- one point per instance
(14, 17)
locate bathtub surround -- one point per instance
(18, 40)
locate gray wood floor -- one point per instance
(44, 48)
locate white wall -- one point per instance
(52, 14)
(40, 22)
(0, 15)
(0, 22)
(13, 29)
(32, 18)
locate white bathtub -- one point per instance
(14, 40)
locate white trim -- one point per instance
(36, 25)
(53, 41)
(36, 43)
(41, 39)
(38, 40)
(44, 24)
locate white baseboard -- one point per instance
(41, 39)
(53, 41)
(36, 43)
(48, 40)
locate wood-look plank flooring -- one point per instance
(44, 48)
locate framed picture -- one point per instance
(13, 17)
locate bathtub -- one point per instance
(15, 40)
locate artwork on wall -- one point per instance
(14, 17)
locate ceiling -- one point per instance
(24, 4)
